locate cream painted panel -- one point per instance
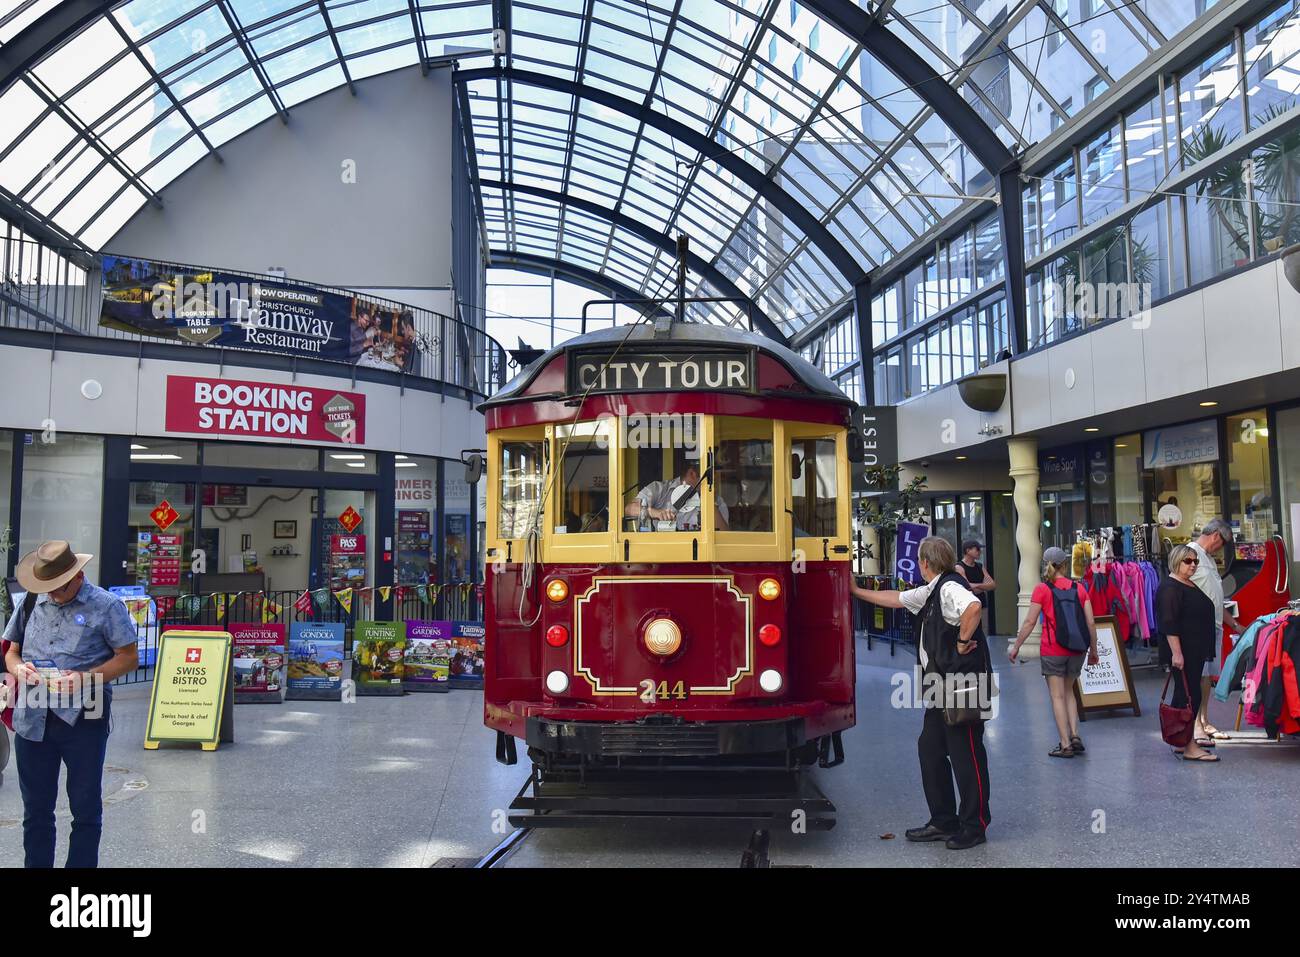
(1118, 371)
(921, 422)
(25, 387)
(1174, 348)
(427, 422)
(1243, 335)
(1029, 385)
(1289, 313)
(1069, 384)
(113, 412)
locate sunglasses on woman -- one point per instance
(1191, 561)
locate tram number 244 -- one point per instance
(651, 692)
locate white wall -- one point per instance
(36, 385)
(279, 198)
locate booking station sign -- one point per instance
(239, 408)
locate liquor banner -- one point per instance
(259, 662)
(210, 308)
(905, 554)
(467, 644)
(289, 412)
(377, 651)
(427, 663)
(316, 661)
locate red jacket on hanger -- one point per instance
(1106, 597)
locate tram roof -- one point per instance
(641, 338)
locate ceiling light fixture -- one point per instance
(1208, 405)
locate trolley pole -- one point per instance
(683, 250)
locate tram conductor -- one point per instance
(950, 643)
(675, 501)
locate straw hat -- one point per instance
(50, 567)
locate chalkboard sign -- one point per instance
(1108, 684)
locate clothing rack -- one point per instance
(1136, 544)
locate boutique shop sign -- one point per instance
(234, 407)
(204, 307)
(1181, 445)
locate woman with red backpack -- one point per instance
(1069, 632)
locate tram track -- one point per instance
(503, 851)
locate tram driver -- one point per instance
(675, 501)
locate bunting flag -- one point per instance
(383, 592)
(219, 600)
(165, 605)
(270, 611)
(321, 598)
(422, 592)
(344, 597)
(400, 593)
(465, 589)
(303, 604)
(189, 605)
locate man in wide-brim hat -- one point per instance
(76, 637)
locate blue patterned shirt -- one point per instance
(77, 636)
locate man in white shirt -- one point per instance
(946, 751)
(1216, 535)
(663, 501)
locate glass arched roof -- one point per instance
(101, 125)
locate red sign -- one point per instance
(192, 655)
(350, 519)
(164, 515)
(234, 407)
(348, 544)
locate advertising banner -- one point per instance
(467, 642)
(316, 662)
(289, 412)
(191, 690)
(427, 663)
(260, 660)
(210, 308)
(905, 554)
(377, 651)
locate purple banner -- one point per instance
(905, 553)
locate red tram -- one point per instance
(668, 549)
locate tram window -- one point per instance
(661, 464)
(743, 483)
(583, 503)
(521, 487)
(814, 487)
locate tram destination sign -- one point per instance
(610, 370)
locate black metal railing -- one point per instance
(59, 291)
(456, 601)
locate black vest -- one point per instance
(939, 639)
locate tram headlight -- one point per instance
(770, 635)
(557, 589)
(663, 637)
(557, 682)
(770, 681)
(557, 636)
(770, 589)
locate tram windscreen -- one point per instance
(583, 505)
(662, 456)
(743, 480)
(521, 487)
(814, 487)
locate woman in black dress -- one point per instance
(1187, 620)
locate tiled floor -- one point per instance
(407, 781)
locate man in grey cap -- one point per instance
(1216, 535)
(75, 638)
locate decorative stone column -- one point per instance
(1023, 454)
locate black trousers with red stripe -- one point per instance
(946, 753)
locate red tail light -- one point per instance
(769, 635)
(557, 636)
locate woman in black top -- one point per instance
(980, 581)
(1187, 620)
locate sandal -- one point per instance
(1060, 752)
(1205, 742)
(1076, 744)
(1182, 756)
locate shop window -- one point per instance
(814, 487)
(456, 494)
(362, 463)
(347, 539)
(250, 456)
(161, 544)
(743, 477)
(63, 485)
(520, 489)
(415, 513)
(6, 497)
(1127, 479)
(1187, 495)
(945, 520)
(582, 506)
(256, 530)
(164, 451)
(1250, 481)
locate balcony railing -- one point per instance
(50, 290)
